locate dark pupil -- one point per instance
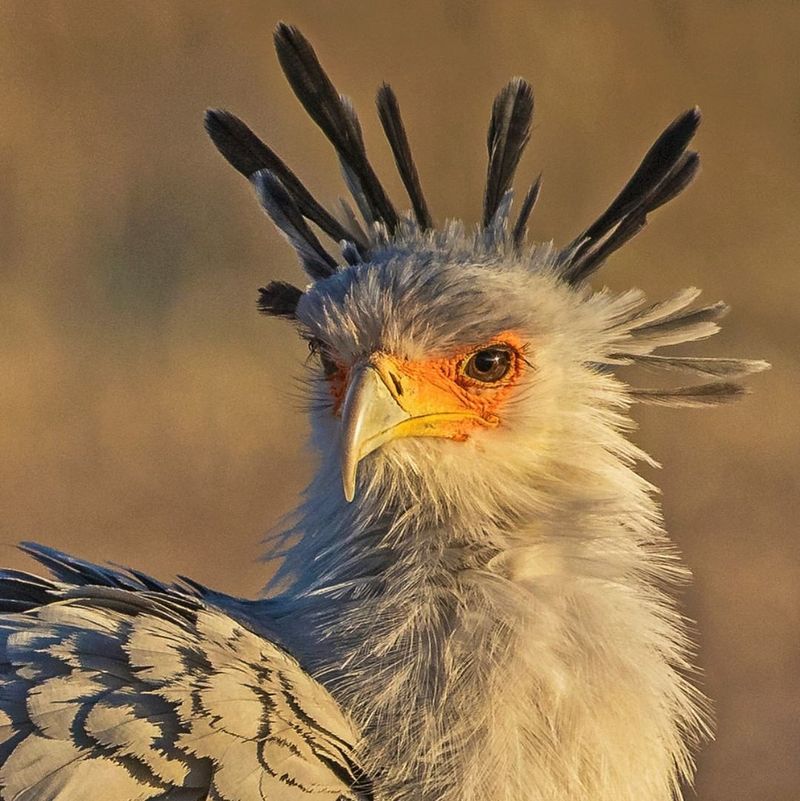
(489, 365)
(486, 361)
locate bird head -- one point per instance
(448, 367)
(455, 363)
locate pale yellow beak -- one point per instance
(369, 416)
(383, 403)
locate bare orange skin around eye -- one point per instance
(441, 387)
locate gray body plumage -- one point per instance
(490, 617)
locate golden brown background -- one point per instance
(148, 415)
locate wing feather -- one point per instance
(144, 691)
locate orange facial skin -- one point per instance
(456, 403)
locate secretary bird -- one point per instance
(473, 600)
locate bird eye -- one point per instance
(489, 364)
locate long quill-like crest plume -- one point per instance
(472, 600)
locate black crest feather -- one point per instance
(279, 299)
(245, 152)
(389, 113)
(335, 118)
(665, 171)
(528, 204)
(283, 211)
(718, 367)
(712, 394)
(509, 132)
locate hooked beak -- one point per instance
(370, 415)
(383, 403)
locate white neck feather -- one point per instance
(534, 657)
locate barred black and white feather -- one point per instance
(115, 685)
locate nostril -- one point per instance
(398, 386)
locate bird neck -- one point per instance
(490, 658)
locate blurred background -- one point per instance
(149, 416)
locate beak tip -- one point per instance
(349, 483)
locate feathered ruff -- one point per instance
(485, 659)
